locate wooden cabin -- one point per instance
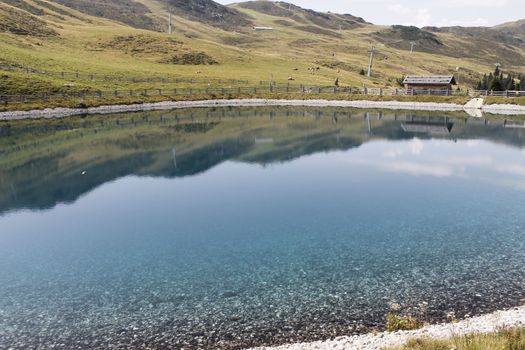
(429, 82)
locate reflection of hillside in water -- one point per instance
(48, 162)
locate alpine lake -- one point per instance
(231, 228)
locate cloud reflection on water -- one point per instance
(474, 159)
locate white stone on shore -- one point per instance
(482, 324)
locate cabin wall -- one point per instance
(428, 87)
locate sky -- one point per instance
(423, 12)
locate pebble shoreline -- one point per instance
(64, 112)
(482, 324)
(393, 105)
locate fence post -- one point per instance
(380, 91)
(506, 93)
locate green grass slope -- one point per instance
(126, 38)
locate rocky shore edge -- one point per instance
(488, 323)
(394, 105)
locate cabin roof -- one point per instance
(429, 80)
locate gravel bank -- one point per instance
(65, 112)
(482, 324)
(394, 105)
(504, 109)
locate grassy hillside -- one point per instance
(515, 29)
(126, 38)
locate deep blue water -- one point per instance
(224, 230)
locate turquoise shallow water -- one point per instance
(234, 228)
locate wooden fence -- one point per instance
(187, 92)
(252, 91)
(129, 79)
(507, 93)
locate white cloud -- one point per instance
(471, 160)
(421, 16)
(472, 143)
(474, 3)
(393, 153)
(416, 146)
(398, 8)
(419, 169)
(514, 169)
(478, 22)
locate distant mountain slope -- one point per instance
(139, 13)
(516, 28)
(209, 12)
(477, 43)
(495, 35)
(130, 12)
(403, 36)
(20, 22)
(305, 16)
(492, 45)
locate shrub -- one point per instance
(395, 322)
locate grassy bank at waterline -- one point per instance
(75, 102)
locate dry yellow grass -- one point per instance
(506, 339)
